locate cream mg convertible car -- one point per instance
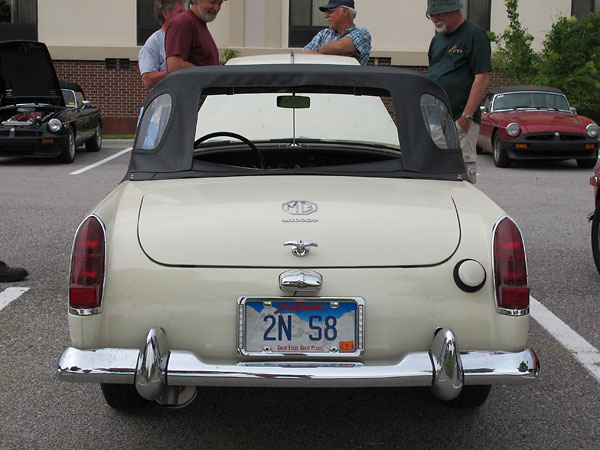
(297, 225)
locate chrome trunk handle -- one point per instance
(300, 280)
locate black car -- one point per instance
(37, 117)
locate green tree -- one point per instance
(514, 56)
(571, 62)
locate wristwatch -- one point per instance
(470, 118)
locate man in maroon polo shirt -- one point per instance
(188, 41)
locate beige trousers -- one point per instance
(468, 144)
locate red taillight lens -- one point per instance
(87, 266)
(510, 267)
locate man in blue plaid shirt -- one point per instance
(342, 37)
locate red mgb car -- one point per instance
(530, 123)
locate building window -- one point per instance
(306, 20)
(581, 8)
(479, 12)
(146, 22)
(18, 20)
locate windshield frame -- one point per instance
(501, 95)
(70, 92)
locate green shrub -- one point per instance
(514, 56)
(229, 53)
(571, 61)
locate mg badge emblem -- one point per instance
(557, 134)
(299, 207)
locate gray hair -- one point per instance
(164, 5)
(352, 11)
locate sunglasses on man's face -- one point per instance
(335, 8)
(435, 16)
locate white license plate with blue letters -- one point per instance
(300, 326)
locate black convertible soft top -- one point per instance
(173, 157)
(71, 86)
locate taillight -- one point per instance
(87, 267)
(510, 268)
(595, 181)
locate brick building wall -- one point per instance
(113, 85)
(116, 87)
(496, 78)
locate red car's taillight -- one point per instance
(87, 266)
(510, 267)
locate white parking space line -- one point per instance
(583, 351)
(11, 294)
(99, 163)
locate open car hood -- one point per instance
(27, 74)
(245, 221)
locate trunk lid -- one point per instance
(245, 221)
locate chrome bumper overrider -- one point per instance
(155, 367)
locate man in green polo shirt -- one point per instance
(460, 62)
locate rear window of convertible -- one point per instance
(285, 116)
(292, 116)
(153, 122)
(438, 122)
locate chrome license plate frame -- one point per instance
(304, 316)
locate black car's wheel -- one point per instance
(67, 156)
(470, 397)
(596, 237)
(123, 397)
(588, 163)
(501, 159)
(95, 142)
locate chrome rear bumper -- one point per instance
(155, 368)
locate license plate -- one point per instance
(301, 326)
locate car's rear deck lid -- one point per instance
(245, 222)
